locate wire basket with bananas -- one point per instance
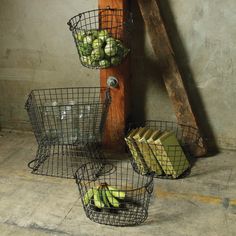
(113, 194)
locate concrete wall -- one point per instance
(37, 51)
(203, 37)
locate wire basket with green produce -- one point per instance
(99, 37)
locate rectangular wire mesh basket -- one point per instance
(65, 120)
(68, 115)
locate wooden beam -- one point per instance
(169, 69)
(115, 125)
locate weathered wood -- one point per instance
(169, 69)
(115, 125)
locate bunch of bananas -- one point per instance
(104, 196)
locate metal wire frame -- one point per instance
(119, 174)
(68, 124)
(172, 161)
(110, 19)
(92, 19)
(63, 160)
(68, 115)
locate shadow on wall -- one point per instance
(142, 66)
(145, 73)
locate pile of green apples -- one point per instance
(98, 49)
(104, 196)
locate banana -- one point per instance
(97, 199)
(113, 201)
(104, 197)
(88, 196)
(116, 193)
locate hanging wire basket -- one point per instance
(162, 148)
(99, 36)
(113, 194)
(66, 121)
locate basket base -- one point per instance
(130, 216)
(155, 175)
(62, 160)
(131, 209)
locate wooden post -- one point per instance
(115, 125)
(169, 69)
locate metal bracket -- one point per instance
(112, 82)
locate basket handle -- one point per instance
(149, 186)
(31, 162)
(28, 102)
(71, 27)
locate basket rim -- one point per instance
(71, 105)
(146, 185)
(32, 92)
(88, 11)
(161, 121)
(58, 88)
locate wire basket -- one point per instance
(99, 37)
(62, 160)
(68, 115)
(171, 160)
(113, 194)
(66, 123)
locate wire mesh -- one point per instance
(173, 160)
(68, 115)
(62, 160)
(99, 37)
(113, 194)
(66, 123)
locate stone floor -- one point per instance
(202, 204)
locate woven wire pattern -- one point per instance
(119, 174)
(108, 19)
(147, 158)
(62, 160)
(66, 123)
(68, 115)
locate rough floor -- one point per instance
(202, 204)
